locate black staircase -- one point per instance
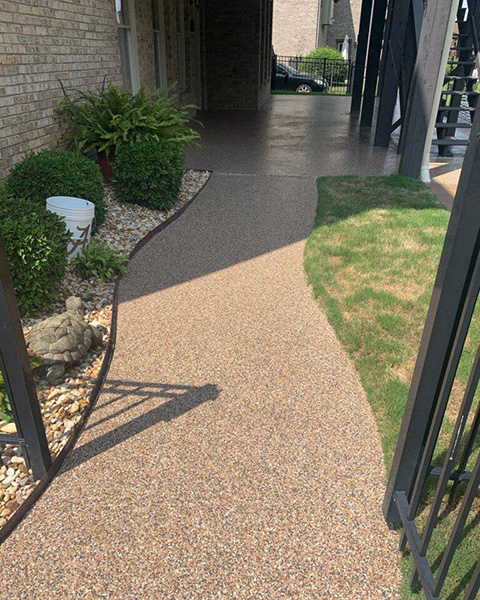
(460, 91)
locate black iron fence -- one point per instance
(439, 437)
(312, 75)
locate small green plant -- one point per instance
(6, 413)
(35, 243)
(58, 173)
(107, 119)
(5, 407)
(100, 261)
(334, 68)
(149, 173)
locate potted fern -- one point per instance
(101, 121)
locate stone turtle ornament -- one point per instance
(64, 339)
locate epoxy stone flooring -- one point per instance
(232, 453)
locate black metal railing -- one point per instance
(438, 441)
(18, 380)
(407, 67)
(474, 17)
(306, 75)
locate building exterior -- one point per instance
(218, 52)
(295, 26)
(299, 26)
(346, 19)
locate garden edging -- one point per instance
(43, 484)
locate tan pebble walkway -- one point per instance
(233, 453)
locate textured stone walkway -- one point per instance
(233, 453)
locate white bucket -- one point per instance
(78, 215)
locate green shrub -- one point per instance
(99, 260)
(58, 173)
(149, 173)
(36, 243)
(5, 408)
(334, 72)
(105, 120)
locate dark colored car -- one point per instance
(288, 78)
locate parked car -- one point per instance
(288, 78)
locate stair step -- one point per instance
(461, 62)
(460, 93)
(460, 48)
(457, 108)
(450, 142)
(454, 125)
(459, 35)
(459, 77)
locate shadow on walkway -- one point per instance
(180, 399)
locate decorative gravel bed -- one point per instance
(62, 405)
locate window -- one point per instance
(127, 41)
(159, 43)
(182, 76)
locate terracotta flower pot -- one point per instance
(105, 164)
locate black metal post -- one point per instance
(424, 83)
(361, 56)
(474, 585)
(373, 64)
(386, 38)
(18, 378)
(392, 61)
(459, 256)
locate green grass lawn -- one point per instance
(371, 260)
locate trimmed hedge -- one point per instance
(149, 173)
(334, 72)
(35, 243)
(58, 173)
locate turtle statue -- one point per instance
(63, 339)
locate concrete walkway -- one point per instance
(233, 453)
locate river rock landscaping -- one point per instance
(62, 404)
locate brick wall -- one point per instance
(146, 57)
(44, 41)
(75, 41)
(236, 52)
(346, 20)
(295, 26)
(170, 13)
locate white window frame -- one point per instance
(159, 46)
(180, 37)
(131, 29)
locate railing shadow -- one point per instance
(174, 401)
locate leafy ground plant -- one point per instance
(371, 260)
(100, 261)
(106, 119)
(5, 407)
